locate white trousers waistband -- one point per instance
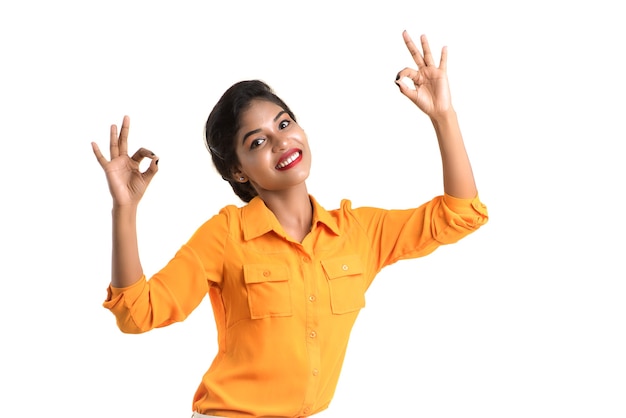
(197, 415)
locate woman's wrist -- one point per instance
(444, 118)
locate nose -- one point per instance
(280, 143)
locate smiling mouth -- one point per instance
(295, 156)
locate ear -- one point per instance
(239, 177)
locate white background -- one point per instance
(525, 318)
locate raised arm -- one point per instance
(431, 93)
(127, 185)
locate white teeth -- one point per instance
(289, 160)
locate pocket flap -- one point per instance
(261, 273)
(346, 265)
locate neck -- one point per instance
(292, 209)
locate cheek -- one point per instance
(253, 161)
(304, 139)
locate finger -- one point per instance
(123, 139)
(428, 56)
(151, 170)
(409, 73)
(142, 153)
(405, 89)
(443, 62)
(96, 150)
(415, 53)
(114, 149)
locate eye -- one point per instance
(256, 143)
(283, 124)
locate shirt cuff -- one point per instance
(131, 292)
(472, 210)
(470, 206)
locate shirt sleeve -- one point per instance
(401, 234)
(178, 288)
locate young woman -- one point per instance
(286, 277)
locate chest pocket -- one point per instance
(346, 283)
(268, 290)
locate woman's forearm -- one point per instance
(125, 264)
(458, 179)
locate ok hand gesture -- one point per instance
(127, 183)
(431, 92)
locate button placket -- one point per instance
(308, 266)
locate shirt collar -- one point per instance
(258, 220)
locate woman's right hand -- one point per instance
(127, 183)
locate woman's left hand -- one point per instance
(431, 92)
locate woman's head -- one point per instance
(223, 124)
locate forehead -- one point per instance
(258, 113)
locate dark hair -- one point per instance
(223, 123)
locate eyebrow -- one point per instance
(256, 131)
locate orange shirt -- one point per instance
(283, 309)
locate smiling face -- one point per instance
(272, 149)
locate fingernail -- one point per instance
(157, 162)
(398, 77)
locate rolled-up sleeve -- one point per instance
(410, 233)
(178, 288)
(460, 217)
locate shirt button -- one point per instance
(266, 273)
(344, 267)
(306, 410)
(315, 372)
(312, 298)
(313, 334)
(306, 259)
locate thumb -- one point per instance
(405, 89)
(152, 169)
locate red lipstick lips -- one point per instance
(289, 159)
